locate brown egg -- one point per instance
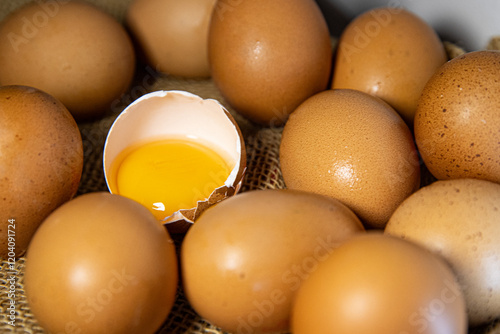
(352, 146)
(69, 49)
(41, 161)
(101, 264)
(376, 284)
(457, 124)
(389, 53)
(245, 257)
(269, 56)
(173, 34)
(459, 220)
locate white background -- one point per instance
(467, 23)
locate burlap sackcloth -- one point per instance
(263, 172)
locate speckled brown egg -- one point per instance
(172, 34)
(267, 57)
(389, 53)
(352, 146)
(457, 124)
(70, 49)
(459, 220)
(41, 161)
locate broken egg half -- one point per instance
(175, 153)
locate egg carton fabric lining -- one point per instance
(263, 172)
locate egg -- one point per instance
(72, 50)
(457, 125)
(354, 147)
(390, 53)
(267, 57)
(376, 284)
(175, 153)
(244, 258)
(41, 161)
(459, 220)
(173, 35)
(101, 264)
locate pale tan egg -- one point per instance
(173, 35)
(459, 220)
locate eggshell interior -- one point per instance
(175, 114)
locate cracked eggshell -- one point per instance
(174, 114)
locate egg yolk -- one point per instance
(168, 175)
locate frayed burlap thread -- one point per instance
(494, 44)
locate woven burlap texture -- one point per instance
(263, 172)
